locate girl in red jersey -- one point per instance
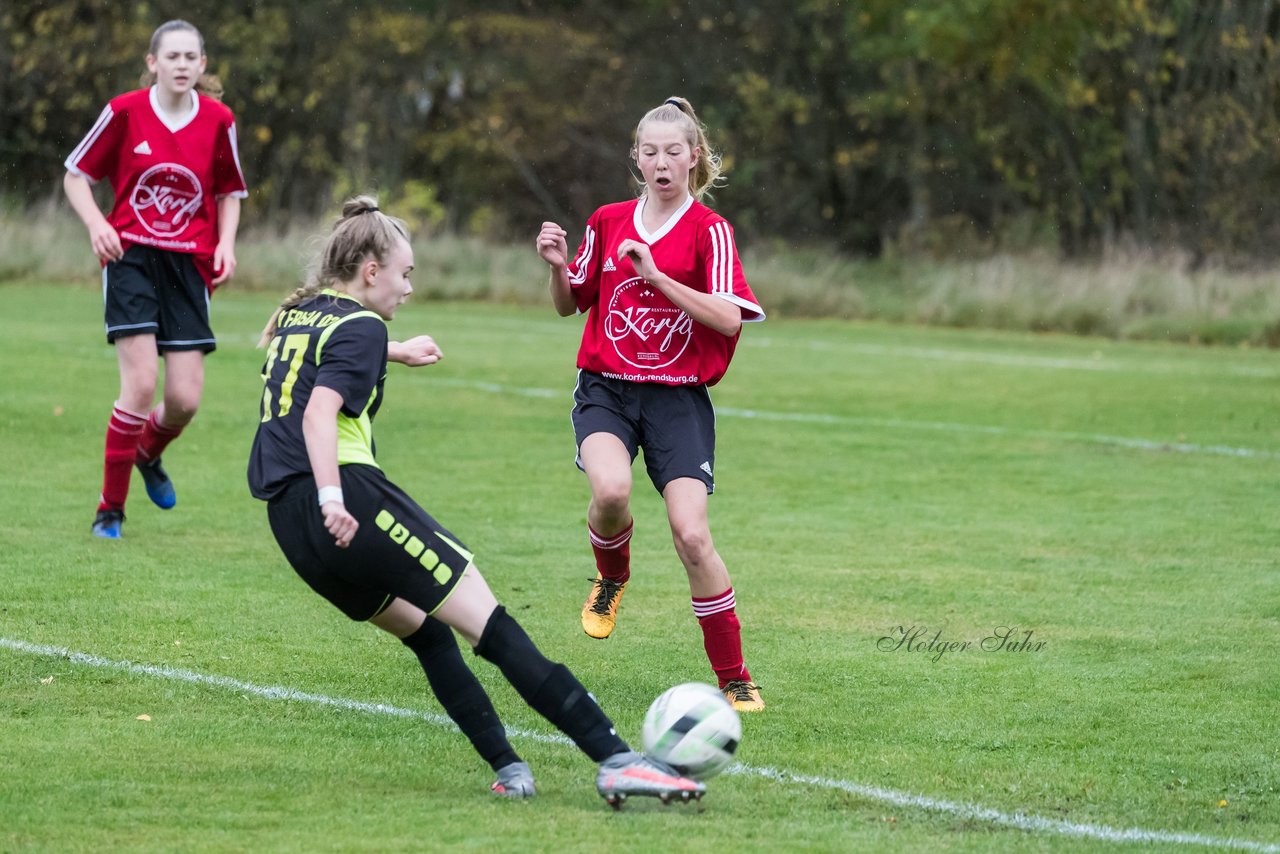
(665, 297)
(171, 158)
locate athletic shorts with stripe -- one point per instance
(399, 551)
(157, 292)
(675, 424)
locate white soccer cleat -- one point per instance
(514, 781)
(625, 774)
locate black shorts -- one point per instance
(675, 424)
(156, 292)
(399, 551)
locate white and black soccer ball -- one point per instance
(693, 728)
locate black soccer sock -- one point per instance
(462, 696)
(549, 688)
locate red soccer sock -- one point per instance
(613, 553)
(721, 636)
(123, 432)
(156, 437)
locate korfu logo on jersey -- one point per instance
(165, 199)
(608, 265)
(647, 331)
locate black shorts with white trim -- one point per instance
(157, 292)
(674, 424)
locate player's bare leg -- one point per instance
(607, 463)
(711, 591)
(183, 388)
(136, 356)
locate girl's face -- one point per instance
(665, 159)
(388, 284)
(178, 63)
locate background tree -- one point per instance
(936, 126)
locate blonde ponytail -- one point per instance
(707, 172)
(361, 232)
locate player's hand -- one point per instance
(339, 522)
(641, 257)
(224, 263)
(416, 352)
(552, 246)
(106, 243)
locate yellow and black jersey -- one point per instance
(330, 340)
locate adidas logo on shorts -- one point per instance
(706, 466)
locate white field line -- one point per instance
(1099, 361)
(974, 812)
(907, 424)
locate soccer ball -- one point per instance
(692, 728)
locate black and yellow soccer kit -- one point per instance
(399, 551)
(331, 340)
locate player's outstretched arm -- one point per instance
(416, 352)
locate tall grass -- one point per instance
(1132, 295)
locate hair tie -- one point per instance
(373, 209)
(672, 101)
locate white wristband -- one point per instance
(329, 493)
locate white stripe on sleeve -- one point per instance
(578, 269)
(721, 259)
(73, 161)
(235, 155)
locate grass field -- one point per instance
(1117, 501)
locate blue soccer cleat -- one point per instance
(159, 488)
(106, 524)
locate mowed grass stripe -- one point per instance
(824, 419)
(1019, 821)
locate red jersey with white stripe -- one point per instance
(167, 178)
(633, 331)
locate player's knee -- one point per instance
(180, 408)
(431, 639)
(137, 390)
(612, 498)
(504, 643)
(693, 543)
(503, 639)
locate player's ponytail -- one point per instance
(362, 232)
(208, 84)
(706, 173)
(300, 295)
